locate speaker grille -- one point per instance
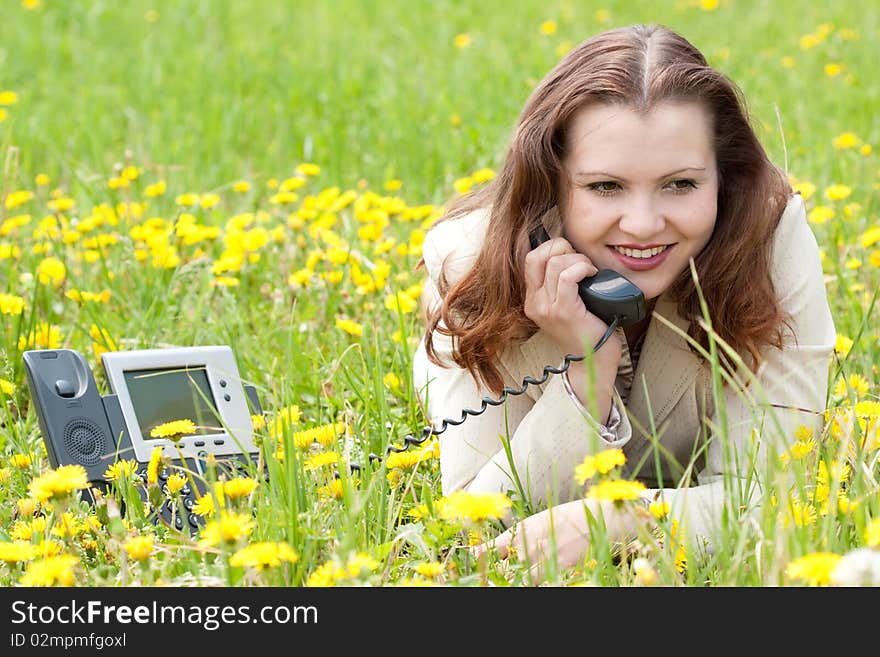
(84, 441)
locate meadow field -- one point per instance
(262, 175)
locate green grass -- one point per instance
(204, 94)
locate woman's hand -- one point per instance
(563, 528)
(552, 272)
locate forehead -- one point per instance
(618, 139)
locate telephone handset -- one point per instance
(607, 294)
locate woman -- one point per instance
(635, 156)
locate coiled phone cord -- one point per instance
(487, 401)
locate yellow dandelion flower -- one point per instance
(548, 27)
(284, 419)
(601, 463)
(175, 483)
(8, 98)
(462, 40)
(349, 326)
(843, 345)
(204, 506)
(156, 189)
(855, 383)
(51, 271)
(833, 69)
(870, 237)
(332, 489)
(59, 482)
(174, 429)
(846, 140)
(26, 530)
(475, 507)
(814, 568)
(324, 435)
(308, 169)
(263, 555)
(804, 188)
(11, 304)
(51, 571)
(407, 459)
(360, 562)
(68, 526)
(325, 575)
(227, 528)
(239, 487)
(802, 515)
(659, 509)
(400, 302)
(20, 460)
(820, 214)
(123, 469)
(139, 548)
(319, 460)
(837, 192)
(429, 569)
(616, 490)
(242, 186)
(463, 185)
(391, 380)
(153, 465)
(27, 506)
(16, 551)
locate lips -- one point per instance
(642, 264)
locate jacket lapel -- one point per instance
(666, 369)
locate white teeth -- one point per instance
(640, 253)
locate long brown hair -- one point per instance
(638, 67)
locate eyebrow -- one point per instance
(610, 175)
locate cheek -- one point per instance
(586, 223)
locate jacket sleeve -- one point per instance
(763, 423)
(547, 437)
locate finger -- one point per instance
(536, 260)
(501, 543)
(566, 291)
(557, 265)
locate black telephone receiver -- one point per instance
(607, 294)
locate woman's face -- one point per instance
(643, 190)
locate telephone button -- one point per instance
(194, 521)
(199, 443)
(65, 388)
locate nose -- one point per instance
(642, 218)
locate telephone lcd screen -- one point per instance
(160, 396)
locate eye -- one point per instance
(683, 185)
(603, 188)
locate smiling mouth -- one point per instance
(641, 254)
